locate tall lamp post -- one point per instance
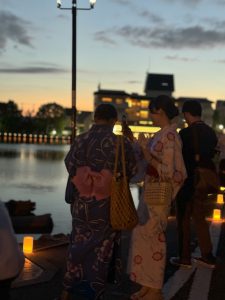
(74, 9)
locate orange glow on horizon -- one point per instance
(30, 104)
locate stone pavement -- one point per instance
(43, 273)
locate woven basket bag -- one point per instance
(123, 215)
(158, 193)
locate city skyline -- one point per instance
(117, 43)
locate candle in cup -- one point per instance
(28, 244)
(216, 214)
(220, 199)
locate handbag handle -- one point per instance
(120, 141)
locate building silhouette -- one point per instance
(134, 105)
(158, 84)
(220, 113)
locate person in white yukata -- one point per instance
(163, 156)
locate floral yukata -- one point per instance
(148, 246)
(90, 164)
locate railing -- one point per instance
(8, 137)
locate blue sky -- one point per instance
(117, 43)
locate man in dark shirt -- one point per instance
(199, 142)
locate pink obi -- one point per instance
(93, 184)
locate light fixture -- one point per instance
(92, 3)
(74, 8)
(59, 3)
(28, 244)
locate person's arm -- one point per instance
(162, 156)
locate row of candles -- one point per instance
(29, 240)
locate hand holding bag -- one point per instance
(123, 215)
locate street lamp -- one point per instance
(74, 9)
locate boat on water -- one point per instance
(25, 221)
(32, 224)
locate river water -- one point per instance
(37, 173)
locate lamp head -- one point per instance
(59, 4)
(92, 3)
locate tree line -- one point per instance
(49, 117)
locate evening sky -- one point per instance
(117, 43)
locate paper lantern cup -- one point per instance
(28, 244)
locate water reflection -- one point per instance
(49, 155)
(36, 172)
(9, 153)
(23, 152)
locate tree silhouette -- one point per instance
(50, 111)
(10, 116)
(51, 116)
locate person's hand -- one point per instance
(142, 140)
(127, 131)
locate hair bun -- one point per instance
(172, 112)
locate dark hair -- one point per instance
(193, 107)
(166, 103)
(105, 112)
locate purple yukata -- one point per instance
(94, 246)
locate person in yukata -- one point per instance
(94, 244)
(163, 156)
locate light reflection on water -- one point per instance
(37, 173)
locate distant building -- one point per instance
(207, 110)
(219, 116)
(133, 106)
(220, 109)
(83, 121)
(137, 111)
(117, 98)
(158, 84)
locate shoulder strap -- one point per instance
(120, 142)
(116, 155)
(123, 156)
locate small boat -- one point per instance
(25, 221)
(32, 224)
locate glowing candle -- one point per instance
(216, 214)
(220, 199)
(28, 244)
